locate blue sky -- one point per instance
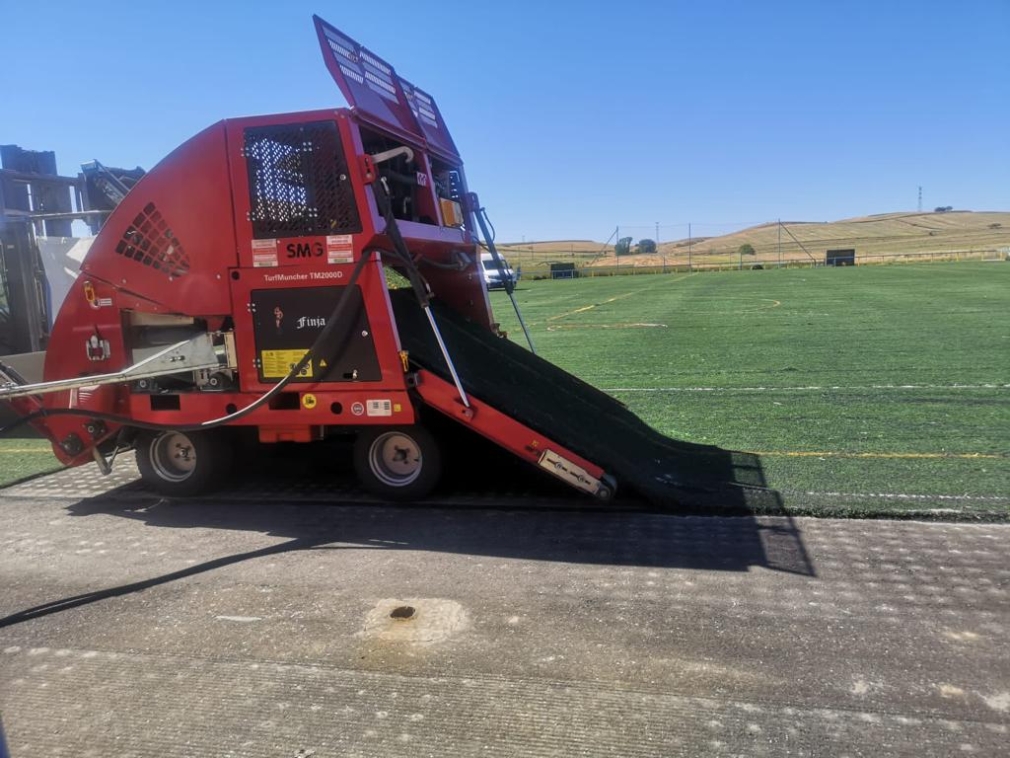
(572, 118)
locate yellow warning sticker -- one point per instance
(308, 401)
(278, 363)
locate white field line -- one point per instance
(558, 327)
(814, 388)
(908, 456)
(901, 496)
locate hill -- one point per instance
(555, 247)
(886, 234)
(883, 234)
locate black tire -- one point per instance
(398, 462)
(182, 464)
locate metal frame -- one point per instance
(196, 354)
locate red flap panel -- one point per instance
(379, 96)
(368, 82)
(429, 118)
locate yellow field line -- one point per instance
(26, 450)
(585, 308)
(826, 454)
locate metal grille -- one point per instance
(299, 184)
(150, 242)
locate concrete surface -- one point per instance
(259, 624)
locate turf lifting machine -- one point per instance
(246, 281)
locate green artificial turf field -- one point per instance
(867, 390)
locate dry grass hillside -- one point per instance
(554, 247)
(887, 234)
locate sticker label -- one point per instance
(380, 407)
(357, 409)
(278, 363)
(339, 248)
(308, 401)
(264, 253)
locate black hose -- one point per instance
(487, 218)
(484, 222)
(400, 250)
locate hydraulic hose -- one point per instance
(483, 221)
(400, 250)
(417, 281)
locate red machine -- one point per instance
(245, 281)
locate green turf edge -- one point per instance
(870, 512)
(838, 512)
(16, 468)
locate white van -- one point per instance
(492, 275)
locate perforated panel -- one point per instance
(149, 241)
(299, 184)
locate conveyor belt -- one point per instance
(665, 471)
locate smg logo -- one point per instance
(304, 249)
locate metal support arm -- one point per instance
(194, 354)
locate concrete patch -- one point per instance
(415, 621)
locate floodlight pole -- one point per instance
(780, 242)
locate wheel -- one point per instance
(183, 463)
(398, 463)
(608, 486)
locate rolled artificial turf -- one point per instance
(664, 471)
